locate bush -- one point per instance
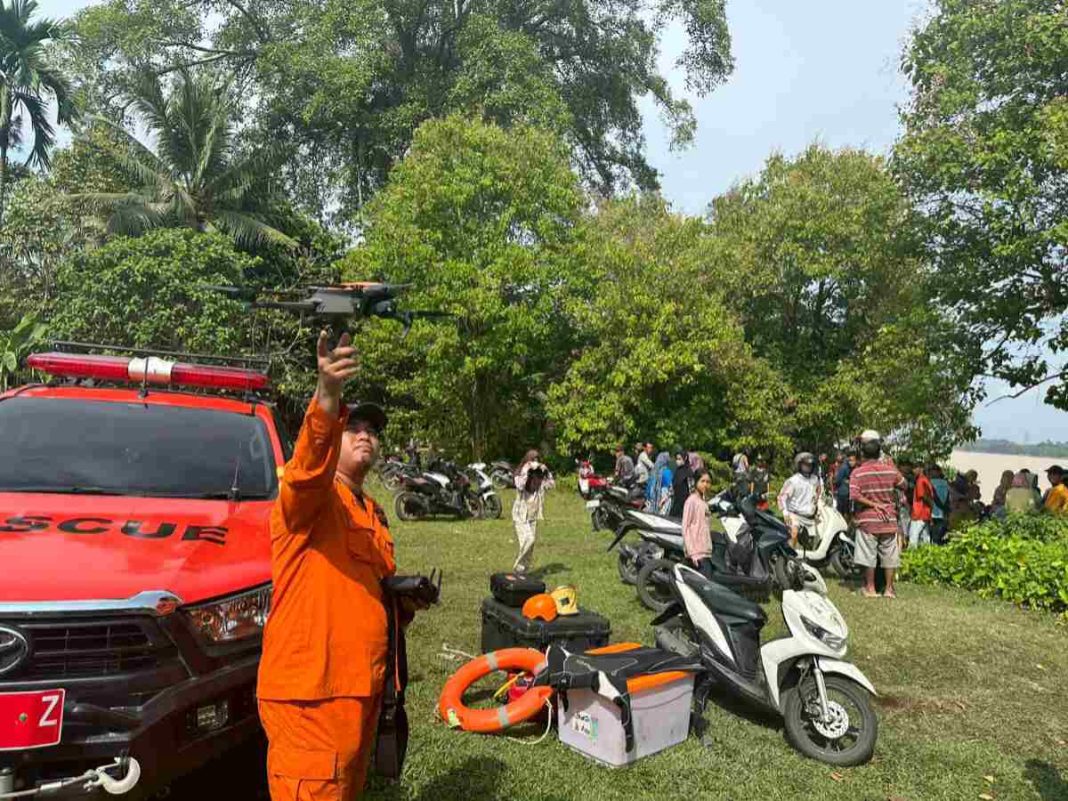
(1022, 559)
(1040, 527)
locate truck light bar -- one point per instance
(150, 370)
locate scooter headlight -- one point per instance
(828, 638)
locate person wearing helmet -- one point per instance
(874, 486)
(799, 497)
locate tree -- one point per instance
(153, 292)
(28, 83)
(195, 178)
(659, 354)
(985, 157)
(478, 220)
(347, 83)
(820, 256)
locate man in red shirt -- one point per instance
(922, 505)
(873, 489)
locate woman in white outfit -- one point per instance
(532, 479)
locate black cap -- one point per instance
(368, 412)
(1055, 469)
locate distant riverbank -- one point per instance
(989, 466)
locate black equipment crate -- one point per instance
(505, 627)
(513, 590)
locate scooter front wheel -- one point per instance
(847, 737)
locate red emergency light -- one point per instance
(150, 370)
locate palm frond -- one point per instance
(44, 135)
(249, 231)
(140, 165)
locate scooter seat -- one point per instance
(720, 599)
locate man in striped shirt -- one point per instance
(873, 488)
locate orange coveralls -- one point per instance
(325, 642)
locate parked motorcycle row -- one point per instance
(823, 700)
(443, 489)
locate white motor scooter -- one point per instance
(486, 491)
(825, 702)
(830, 543)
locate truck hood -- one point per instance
(86, 548)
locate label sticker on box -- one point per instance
(585, 724)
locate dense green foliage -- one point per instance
(479, 220)
(152, 292)
(15, 344)
(819, 258)
(1023, 559)
(985, 158)
(658, 354)
(345, 84)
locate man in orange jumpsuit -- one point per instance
(325, 643)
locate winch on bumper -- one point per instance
(142, 694)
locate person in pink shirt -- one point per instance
(696, 533)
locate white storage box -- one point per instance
(593, 726)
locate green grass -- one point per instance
(973, 700)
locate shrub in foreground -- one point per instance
(1020, 560)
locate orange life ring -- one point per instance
(451, 707)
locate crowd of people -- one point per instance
(666, 480)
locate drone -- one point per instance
(339, 304)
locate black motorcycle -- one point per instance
(444, 490)
(751, 554)
(610, 505)
(393, 471)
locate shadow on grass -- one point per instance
(738, 707)
(475, 779)
(549, 570)
(1047, 780)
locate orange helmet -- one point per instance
(540, 607)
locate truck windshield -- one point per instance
(57, 445)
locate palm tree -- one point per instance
(27, 85)
(193, 176)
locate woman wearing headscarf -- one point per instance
(681, 484)
(532, 479)
(1022, 496)
(1003, 487)
(656, 480)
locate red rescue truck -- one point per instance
(134, 568)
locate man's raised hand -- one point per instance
(335, 366)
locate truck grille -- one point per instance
(69, 649)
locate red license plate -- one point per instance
(31, 720)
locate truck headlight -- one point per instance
(828, 638)
(233, 618)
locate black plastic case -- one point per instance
(513, 590)
(505, 627)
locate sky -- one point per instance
(823, 70)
